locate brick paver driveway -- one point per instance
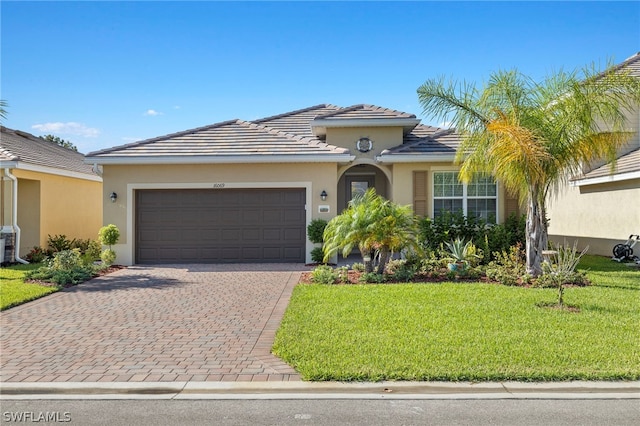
(160, 323)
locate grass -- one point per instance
(14, 291)
(455, 331)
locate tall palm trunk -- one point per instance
(536, 235)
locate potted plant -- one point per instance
(460, 252)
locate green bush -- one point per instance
(66, 267)
(317, 255)
(343, 274)
(315, 230)
(66, 260)
(358, 266)
(508, 268)
(59, 243)
(401, 270)
(324, 275)
(109, 235)
(372, 278)
(108, 257)
(490, 238)
(37, 255)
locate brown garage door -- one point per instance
(220, 225)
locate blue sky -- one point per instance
(101, 74)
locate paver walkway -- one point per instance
(153, 324)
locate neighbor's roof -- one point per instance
(283, 137)
(627, 167)
(627, 164)
(631, 64)
(23, 150)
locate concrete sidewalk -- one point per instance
(321, 390)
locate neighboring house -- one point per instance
(240, 191)
(45, 189)
(601, 208)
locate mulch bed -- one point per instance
(354, 278)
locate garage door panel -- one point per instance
(292, 234)
(220, 225)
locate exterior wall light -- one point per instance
(323, 195)
(113, 197)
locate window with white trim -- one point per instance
(477, 198)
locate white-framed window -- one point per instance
(478, 198)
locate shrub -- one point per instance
(66, 267)
(373, 278)
(108, 256)
(508, 268)
(317, 255)
(401, 270)
(109, 235)
(315, 230)
(92, 252)
(66, 260)
(343, 274)
(37, 255)
(59, 243)
(358, 266)
(324, 275)
(490, 238)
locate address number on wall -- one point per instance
(218, 185)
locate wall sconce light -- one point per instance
(113, 197)
(323, 195)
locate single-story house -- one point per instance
(245, 191)
(601, 208)
(45, 189)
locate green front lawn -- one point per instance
(14, 291)
(466, 331)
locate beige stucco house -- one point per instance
(601, 207)
(240, 191)
(45, 189)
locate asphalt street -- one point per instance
(324, 412)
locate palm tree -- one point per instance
(374, 225)
(533, 136)
(3, 111)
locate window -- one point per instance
(478, 198)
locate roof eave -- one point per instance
(319, 126)
(222, 159)
(8, 164)
(415, 158)
(21, 165)
(617, 177)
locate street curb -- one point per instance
(321, 390)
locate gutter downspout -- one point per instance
(14, 215)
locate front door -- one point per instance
(358, 185)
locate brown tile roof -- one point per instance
(228, 138)
(297, 122)
(427, 140)
(365, 111)
(284, 134)
(19, 146)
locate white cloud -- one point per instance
(445, 125)
(69, 128)
(152, 112)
